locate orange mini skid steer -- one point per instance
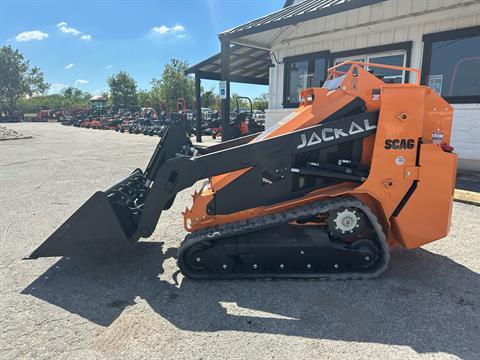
(359, 167)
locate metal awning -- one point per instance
(247, 65)
(271, 29)
(295, 14)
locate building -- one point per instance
(98, 103)
(293, 47)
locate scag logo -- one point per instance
(399, 144)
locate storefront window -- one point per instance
(300, 74)
(389, 75)
(310, 70)
(452, 65)
(319, 73)
(345, 68)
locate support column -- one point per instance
(198, 107)
(225, 51)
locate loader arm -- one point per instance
(180, 173)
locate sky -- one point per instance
(81, 43)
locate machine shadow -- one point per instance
(422, 301)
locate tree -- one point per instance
(43, 102)
(243, 104)
(144, 98)
(69, 99)
(211, 100)
(123, 90)
(18, 79)
(174, 84)
(156, 101)
(75, 97)
(73, 93)
(261, 102)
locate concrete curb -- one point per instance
(467, 197)
(17, 138)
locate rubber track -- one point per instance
(216, 233)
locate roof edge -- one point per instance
(295, 19)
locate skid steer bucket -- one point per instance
(107, 223)
(93, 229)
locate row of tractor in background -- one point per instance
(242, 121)
(149, 121)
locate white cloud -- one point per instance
(63, 26)
(31, 35)
(56, 88)
(178, 28)
(69, 66)
(80, 82)
(160, 29)
(108, 66)
(164, 29)
(182, 36)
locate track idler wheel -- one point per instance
(195, 257)
(206, 257)
(370, 250)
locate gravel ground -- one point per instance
(10, 134)
(426, 305)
